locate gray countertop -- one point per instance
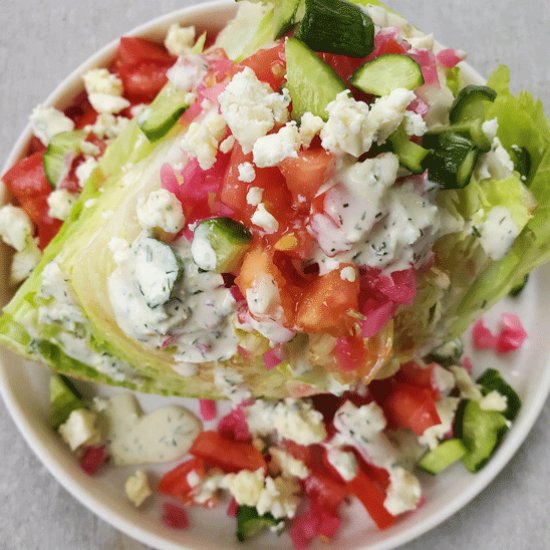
(41, 42)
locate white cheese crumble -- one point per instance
(89, 149)
(80, 429)
(310, 126)
(84, 170)
(498, 233)
(254, 196)
(137, 488)
(348, 274)
(60, 203)
(495, 164)
(272, 149)
(188, 72)
(245, 486)
(422, 42)
(47, 122)
(247, 174)
(179, 40)
(404, 492)
(23, 262)
(203, 137)
(264, 219)
(280, 497)
(388, 112)
(263, 298)
(227, 144)
(201, 250)
(490, 128)
(344, 462)
(107, 126)
(494, 401)
(415, 124)
(446, 409)
(105, 91)
(443, 380)
(16, 228)
(466, 386)
(160, 210)
(230, 382)
(285, 464)
(251, 108)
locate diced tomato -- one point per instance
(175, 483)
(35, 146)
(27, 182)
(422, 377)
(313, 523)
(344, 65)
(350, 352)
(142, 66)
(230, 456)
(372, 497)
(305, 174)
(87, 118)
(269, 65)
(93, 459)
(408, 406)
(174, 516)
(325, 490)
(325, 305)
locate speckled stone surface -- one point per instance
(42, 41)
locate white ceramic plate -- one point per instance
(24, 387)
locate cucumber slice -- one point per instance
(481, 432)
(59, 155)
(387, 73)
(336, 26)
(64, 399)
(518, 289)
(491, 380)
(219, 244)
(447, 354)
(157, 270)
(250, 523)
(452, 158)
(469, 104)
(411, 155)
(284, 16)
(443, 456)
(159, 118)
(311, 82)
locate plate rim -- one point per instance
(480, 481)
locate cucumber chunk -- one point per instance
(311, 82)
(411, 155)
(64, 399)
(387, 73)
(336, 26)
(443, 456)
(219, 244)
(59, 155)
(481, 432)
(492, 380)
(250, 523)
(159, 118)
(157, 270)
(284, 16)
(469, 104)
(452, 158)
(447, 354)
(519, 288)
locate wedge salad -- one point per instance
(301, 215)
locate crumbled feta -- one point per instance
(139, 110)
(47, 122)
(230, 382)
(179, 40)
(107, 126)
(23, 262)
(89, 149)
(188, 72)
(263, 298)
(60, 203)
(272, 149)
(105, 91)
(388, 112)
(498, 233)
(16, 228)
(365, 422)
(245, 486)
(137, 488)
(292, 419)
(310, 126)
(403, 493)
(443, 379)
(494, 401)
(263, 219)
(495, 164)
(348, 274)
(280, 497)
(422, 42)
(247, 174)
(203, 137)
(227, 144)
(251, 108)
(210, 485)
(84, 170)
(467, 387)
(415, 124)
(108, 104)
(490, 128)
(80, 429)
(446, 409)
(254, 196)
(201, 249)
(344, 462)
(286, 465)
(161, 210)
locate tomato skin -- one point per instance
(408, 406)
(422, 377)
(305, 174)
(133, 51)
(28, 184)
(175, 484)
(325, 304)
(269, 65)
(230, 456)
(350, 352)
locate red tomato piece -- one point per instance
(133, 51)
(175, 483)
(350, 352)
(372, 497)
(325, 490)
(422, 377)
(93, 459)
(28, 184)
(174, 516)
(35, 146)
(408, 406)
(325, 304)
(230, 456)
(344, 65)
(269, 64)
(305, 174)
